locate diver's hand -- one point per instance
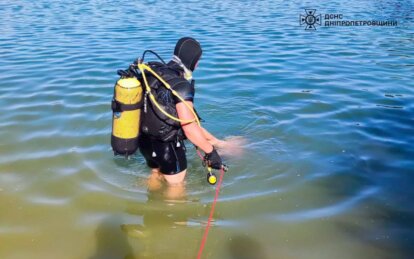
(213, 160)
(231, 146)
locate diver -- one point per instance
(161, 141)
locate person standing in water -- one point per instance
(161, 140)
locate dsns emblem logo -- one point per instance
(310, 19)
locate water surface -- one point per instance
(328, 171)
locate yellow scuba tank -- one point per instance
(126, 108)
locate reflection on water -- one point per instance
(111, 242)
(327, 115)
(161, 221)
(243, 247)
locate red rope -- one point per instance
(199, 154)
(210, 218)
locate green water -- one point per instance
(328, 115)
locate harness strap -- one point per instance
(121, 107)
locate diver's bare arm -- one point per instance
(193, 132)
(212, 139)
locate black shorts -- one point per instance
(169, 157)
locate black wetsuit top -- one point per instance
(161, 139)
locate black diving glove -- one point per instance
(213, 160)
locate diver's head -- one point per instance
(188, 50)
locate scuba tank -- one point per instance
(126, 113)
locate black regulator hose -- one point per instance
(132, 71)
(154, 53)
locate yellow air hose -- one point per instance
(142, 68)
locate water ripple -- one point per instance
(328, 115)
(330, 211)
